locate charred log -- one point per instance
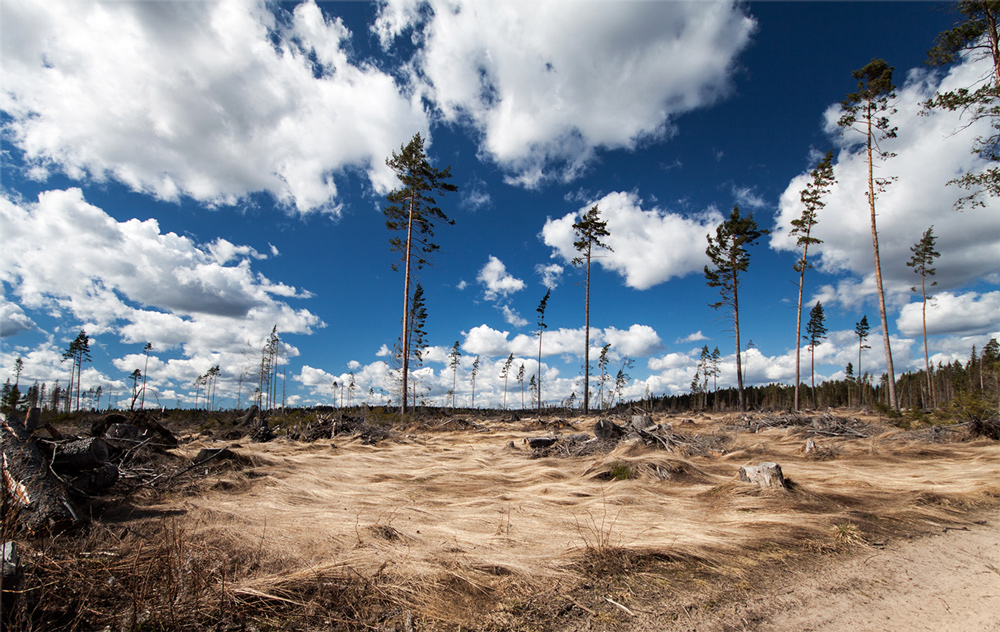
(84, 454)
(27, 478)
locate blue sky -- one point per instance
(193, 174)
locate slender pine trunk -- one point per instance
(736, 327)
(927, 357)
(406, 308)
(890, 373)
(798, 320)
(586, 347)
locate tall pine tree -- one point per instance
(590, 230)
(412, 211)
(812, 203)
(815, 333)
(728, 254)
(922, 263)
(868, 111)
(541, 329)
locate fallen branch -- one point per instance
(580, 606)
(615, 603)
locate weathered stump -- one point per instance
(122, 431)
(251, 416)
(765, 474)
(605, 429)
(642, 422)
(100, 426)
(43, 500)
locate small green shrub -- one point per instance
(620, 471)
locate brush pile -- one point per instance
(329, 426)
(50, 477)
(826, 425)
(607, 435)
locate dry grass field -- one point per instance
(450, 525)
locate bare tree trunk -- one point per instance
(891, 382)
(798, 326)
(736, 327)
(927, 360)
(406, 308)
(586, 348)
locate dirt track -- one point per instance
(944, 582)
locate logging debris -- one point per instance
(329, 426)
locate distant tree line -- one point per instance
(972, 388)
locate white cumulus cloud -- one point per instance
(551, 274)
(649, 246)
(211, 100)
(129, 279)
(547, 83)
(949, 313)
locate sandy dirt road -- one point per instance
(944, 582)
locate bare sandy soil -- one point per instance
(948, 581)
(462, 526)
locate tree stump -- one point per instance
(100, 426)
(122, 431)
(43, 500)
(766, 475)
(605, 429)
(250, 418)
(642, 422)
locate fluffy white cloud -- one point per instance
(650, 246)
(969, 241)
(636, 341)
(512, 317)
(212, 100)
(70, 258)
(948, 349)
(484, 340)
(948, 313)
(496, 281)
(695, 337)
(370, 380)
(546, 83)
(551, 274)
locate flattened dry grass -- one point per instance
(453, 527)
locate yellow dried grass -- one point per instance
(452, 520)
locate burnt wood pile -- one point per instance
(48, 478)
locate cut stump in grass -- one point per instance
(767, 475)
